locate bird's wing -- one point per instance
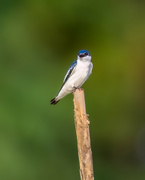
(69, 73)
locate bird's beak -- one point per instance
(81, 55)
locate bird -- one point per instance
(76, 75)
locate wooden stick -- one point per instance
(83, 136)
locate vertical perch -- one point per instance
(83, 136)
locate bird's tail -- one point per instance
(54, 101)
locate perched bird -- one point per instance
(75, 77)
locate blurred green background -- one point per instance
(38, 42)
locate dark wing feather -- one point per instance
(69, 73)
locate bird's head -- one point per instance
(84, 55)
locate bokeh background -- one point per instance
(38, 42)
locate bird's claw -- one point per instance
(77, 88)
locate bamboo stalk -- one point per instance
(83, 136)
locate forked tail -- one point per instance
(54, 101)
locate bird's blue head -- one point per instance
(83, 54)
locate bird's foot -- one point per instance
(77, 88)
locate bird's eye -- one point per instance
(86, 53)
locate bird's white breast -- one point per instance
(79, 75)
(82, 71)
